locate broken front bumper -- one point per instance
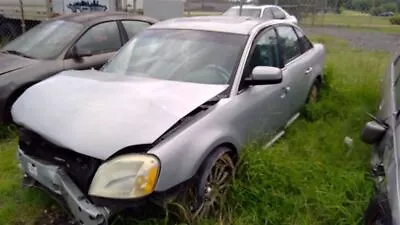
(60, 184)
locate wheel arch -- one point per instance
(319, 78)
(233, 153)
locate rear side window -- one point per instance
(305, 43)
(289, 43)
(267, 14)
(278, 13)
(133, 27)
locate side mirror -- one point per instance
(373, 132)
(77, 53)
(263, 75)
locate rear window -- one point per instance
(245, 12)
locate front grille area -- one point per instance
(80, 168)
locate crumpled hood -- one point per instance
(98, 114)
(9, 63)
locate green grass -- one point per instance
(17, 205)
(354, 20)
(308, 177)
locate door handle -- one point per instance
(285, 91)
(309, 70)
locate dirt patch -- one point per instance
(368, 40)
(55, 216)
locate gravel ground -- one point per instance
(368, 40)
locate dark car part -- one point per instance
(206, 194)
(80, 167)
(373, 132)
(378, 211)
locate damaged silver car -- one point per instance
(383, 133)
(167, 116)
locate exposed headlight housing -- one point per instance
(126, 177)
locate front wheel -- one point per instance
(205, 197)
(314, 93)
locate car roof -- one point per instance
(227, 24)
(90, 18)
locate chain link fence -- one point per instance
(308, 12)
(14, 26)
(321, 13)
(299, 8)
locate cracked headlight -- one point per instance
(126, 177)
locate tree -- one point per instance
(362, 5)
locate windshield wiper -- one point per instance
(17, 53)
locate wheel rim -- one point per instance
(218, 181)
(313, 94)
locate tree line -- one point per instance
(374, 7)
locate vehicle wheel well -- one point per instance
(319, 78)
(233, 153)
(11, 99)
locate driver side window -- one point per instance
(266, 51)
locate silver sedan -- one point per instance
(167, 116)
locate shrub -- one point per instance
(395, 20)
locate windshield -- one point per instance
(44, 41)
(245, 12)
(180, 55)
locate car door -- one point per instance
(100, 41)
(262, 111)
(387, 152)
(296, 70)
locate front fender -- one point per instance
(182, 155)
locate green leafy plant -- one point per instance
(395, 20)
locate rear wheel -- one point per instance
(205, 197)
(378, 211)
(314, 93)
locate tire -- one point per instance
(204, 197)
(378, 211)
(314, 92)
